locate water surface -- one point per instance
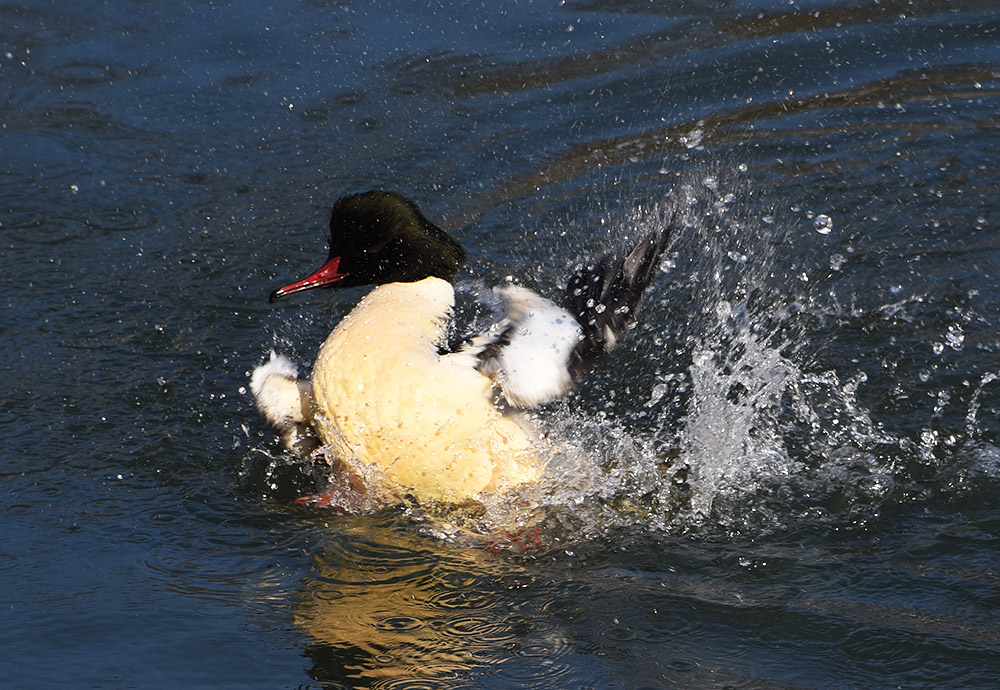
(786, 477)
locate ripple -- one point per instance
(239, 81)
(461, 599)
(350, 98)
(411, 683)
(376, 563)
(8, 561)
(32, 228)
(11, 179)
(164, 517)
(566, 609)
(139, 537)
(682, 665)
(537, 664)
(117, 219)
(326, 594)
(85, 73)
(398, 624)
(209, 575)
(52, 491)
(535, 650)
(21, 220)
(658, 632)
(620, 633)
(260, 627)
(314, 114)
(408, 89)
(482, 629)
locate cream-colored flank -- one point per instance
(426, 422)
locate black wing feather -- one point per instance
(604, 296)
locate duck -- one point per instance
(393, 407)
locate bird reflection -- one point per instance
(388, 608)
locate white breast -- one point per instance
(426, 422)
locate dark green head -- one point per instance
(381, 237)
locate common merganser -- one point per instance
(398, 412)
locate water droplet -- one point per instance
(659, 390)
(692, 139)
(823, 224)
(955, 337)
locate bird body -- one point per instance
(396, 410)
(425, 421)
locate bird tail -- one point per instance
(605, 295)
(286, 402)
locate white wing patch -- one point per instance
(532, 364)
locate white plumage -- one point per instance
(531, 366)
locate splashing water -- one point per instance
(973, 413)
(729, 425)
(744, 436)
(731, 435)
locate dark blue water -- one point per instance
(787, 476)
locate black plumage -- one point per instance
(605, 295)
